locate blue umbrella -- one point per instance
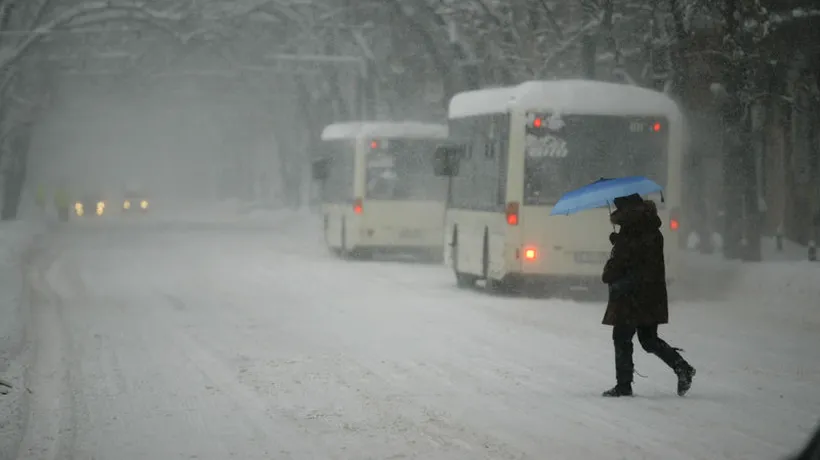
(603, 193)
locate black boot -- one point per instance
(621, 389)
(674, 360)
(624, 368)
(685, 374)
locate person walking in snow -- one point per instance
(811, 451)
(638, 303)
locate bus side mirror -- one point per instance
(446, 160)
(319, 169)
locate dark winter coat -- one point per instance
(812, 450)
(635, 271)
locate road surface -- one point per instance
(220, 343)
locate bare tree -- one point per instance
(23, 90)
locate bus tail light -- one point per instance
(358, 206)
(674, 219)
(512, 213)
(530, 254)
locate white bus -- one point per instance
(516, 150)
(379, 188)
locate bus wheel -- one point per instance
(485, 258)
(344, 251)
(361, 254)
(433, 256)
(327, 230)
(463, 280)
(335, 251)
(490, 285)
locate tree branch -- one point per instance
(442, 63)
(574, 39)
(42, 12)
(83, 14)
(550, 15)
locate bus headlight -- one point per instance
(78, 209)
(144, 204)
(100, 208)
(126, 204)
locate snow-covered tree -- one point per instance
(24, 84)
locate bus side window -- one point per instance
(502, 130)
(475, 186)
(487, 177)
(460, 192)
(489, 147)
(489, 141)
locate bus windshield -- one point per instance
(402, 169)
(572, 151)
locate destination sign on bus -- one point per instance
(539, 123)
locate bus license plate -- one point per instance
(410, 233)
(591, 257)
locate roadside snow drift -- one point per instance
(15, 239)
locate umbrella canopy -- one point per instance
(602, 193)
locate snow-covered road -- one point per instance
(253, 343)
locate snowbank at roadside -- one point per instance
(779, 290)
(15, 239)
(783, 284)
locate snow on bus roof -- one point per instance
(565, 96)
(404, 129)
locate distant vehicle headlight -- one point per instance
(78, 208)
(100, 208)
(126, 204)
(144, 204)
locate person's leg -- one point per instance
(648, 337)
(624, 367)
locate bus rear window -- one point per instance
(573, 151)
(402, 169)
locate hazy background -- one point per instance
(216, 100)
(177, 141)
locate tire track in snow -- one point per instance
(269, 429)
(49, 433)
(148, 398)
(262, 286)
(384, 372)
(655, 437)
(334, 395)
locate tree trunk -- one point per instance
(332, 79)
(610, 45)
(743, 219)
(442, 61)
(295, 162)
(589, 43)
(15, 175)
(733, 205)
(588, 50)
(682, 87)
(751, 173)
